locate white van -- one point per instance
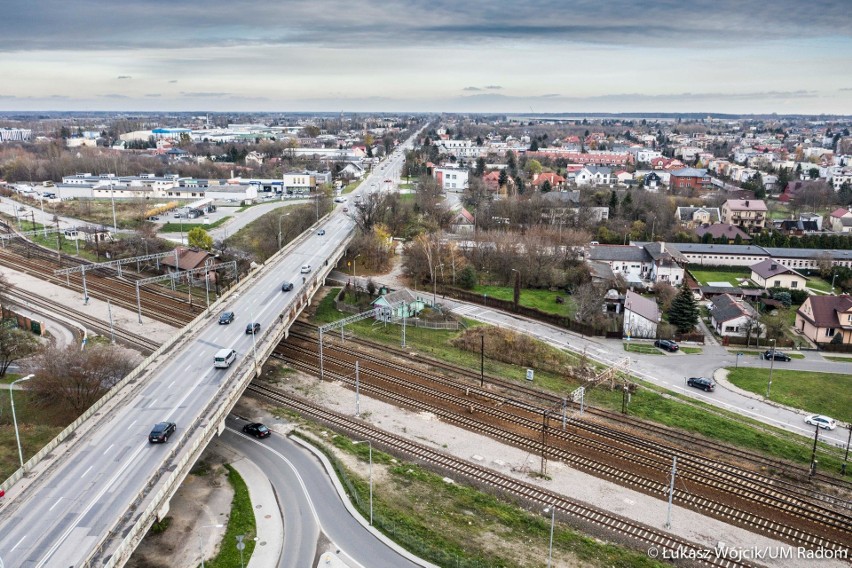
(224, 358)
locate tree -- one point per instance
(480, 167)
(467, 278)
(199, 238)
(813, 173)
(665, 293)
(511, 163)
(533, 167)
(546, 187)
(588, 298)
(72, 380)
(683, 313)
(15, 344)
(503, 178)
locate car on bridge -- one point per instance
(253, 328)
(305, 268)
(257, 430)
(161, 432)
(321, 232)
(226, 317)
(287, 286)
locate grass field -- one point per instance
(642, 348)
(818, 283)
(704, 277)
(172, 227)
(824, 393)
(241, 521)
(544, 300)
(837, 359)
(691, 350)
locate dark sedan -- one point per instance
(257, 430)
(777, 355)
(226, 317)
(161, 432)
(702, 383)
(670, 346)
(252, 328)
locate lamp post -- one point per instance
(771, 364)
(371, 474)
(207, 281)
(201, 541)
(552, 510)
(14, 418)
(832, 282)
(112, 198)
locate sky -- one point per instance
(499, 56)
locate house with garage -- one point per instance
(641, 316)
(770, 273)
(822, 318)
(840, 220)
(730, 316)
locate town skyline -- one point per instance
(526, 57)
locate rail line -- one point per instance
(622, 527)
(717, 493)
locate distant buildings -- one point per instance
(748, 214)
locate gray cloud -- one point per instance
(153, 95)
(124, 77)
(60, 25)
(471, 89)
(493, 87)
(173, 81)
(203, 94)
(114, 96)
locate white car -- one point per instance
(305, 268)
(823, 422)
(340, 200)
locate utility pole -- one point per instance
(813, 452)
(481, 360)
(668, 524)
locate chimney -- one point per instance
(746, 203)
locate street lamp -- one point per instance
(771, 364)
(207, 280)
(201, 542)
(112, 198)
(371, 474)
(14, 418)
(435, 284)
(832, 281)
(552, 510)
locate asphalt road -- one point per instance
(310, 505)
(81, 498)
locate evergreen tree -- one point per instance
(683, 313)
(546, 187)
(613, 204)
(480, 167)
(503, 179)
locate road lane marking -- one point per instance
(19, 542)
(58, 501)
(108, 449)
(131, 424)
(85, 473)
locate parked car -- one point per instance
(346, 210)
(252, 328)
(702, 383)
(287, 286)
(777, 355)
(257, 430)
(305, 268)
(823, 422)
(321, 232)
(226, 317)
(161, 432)
(666, 344)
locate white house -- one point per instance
(771, 274)
(732, 316)
(299, 182)
(594, 175)
(641, 316)
(451, 179)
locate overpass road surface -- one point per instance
(76, 507)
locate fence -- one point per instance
(762, 343)
(694, 337)
(836, 347)
(532, 313)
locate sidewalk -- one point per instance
(270, 527)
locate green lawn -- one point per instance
(838, 359)
(544, 300)
(704, 277)
(642, 348)
(691, 350)
(172, 227)
(351, 187)
(819, 284)
(240, 522)
(824, 393)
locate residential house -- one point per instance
(492, 181)
(463, 222)
(397, 305)
(795, 227)
(694, 216)
(623, 177)
(185, 259)
(748, 214)
(652, 181)
(351, 171)
(771, 274)
(731, 316)
(594, 175)
(451, 179)
(721, 231)
(793, 188)
(820, 318)
(557, 182)
(689, 178)
(840, 220)
(642, 265)
(641, 316)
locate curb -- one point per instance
(269, 528)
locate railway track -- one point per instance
(759, 462)
(643, 535)
(720, 493)
(125, 337)
(156, 302)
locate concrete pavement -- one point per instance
(268, 522)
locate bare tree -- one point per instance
(589, 298)
(15, 344)
(73, 380)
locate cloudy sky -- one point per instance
(748, 56)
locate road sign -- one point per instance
(529, 374)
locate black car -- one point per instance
(321, 232)
(252, 328)
(287, 286)
(161, 432)
(226, 317)
(702, 383)
(257, 430)
(666, 344)
(777, 355)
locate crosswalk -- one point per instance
(465, 310)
